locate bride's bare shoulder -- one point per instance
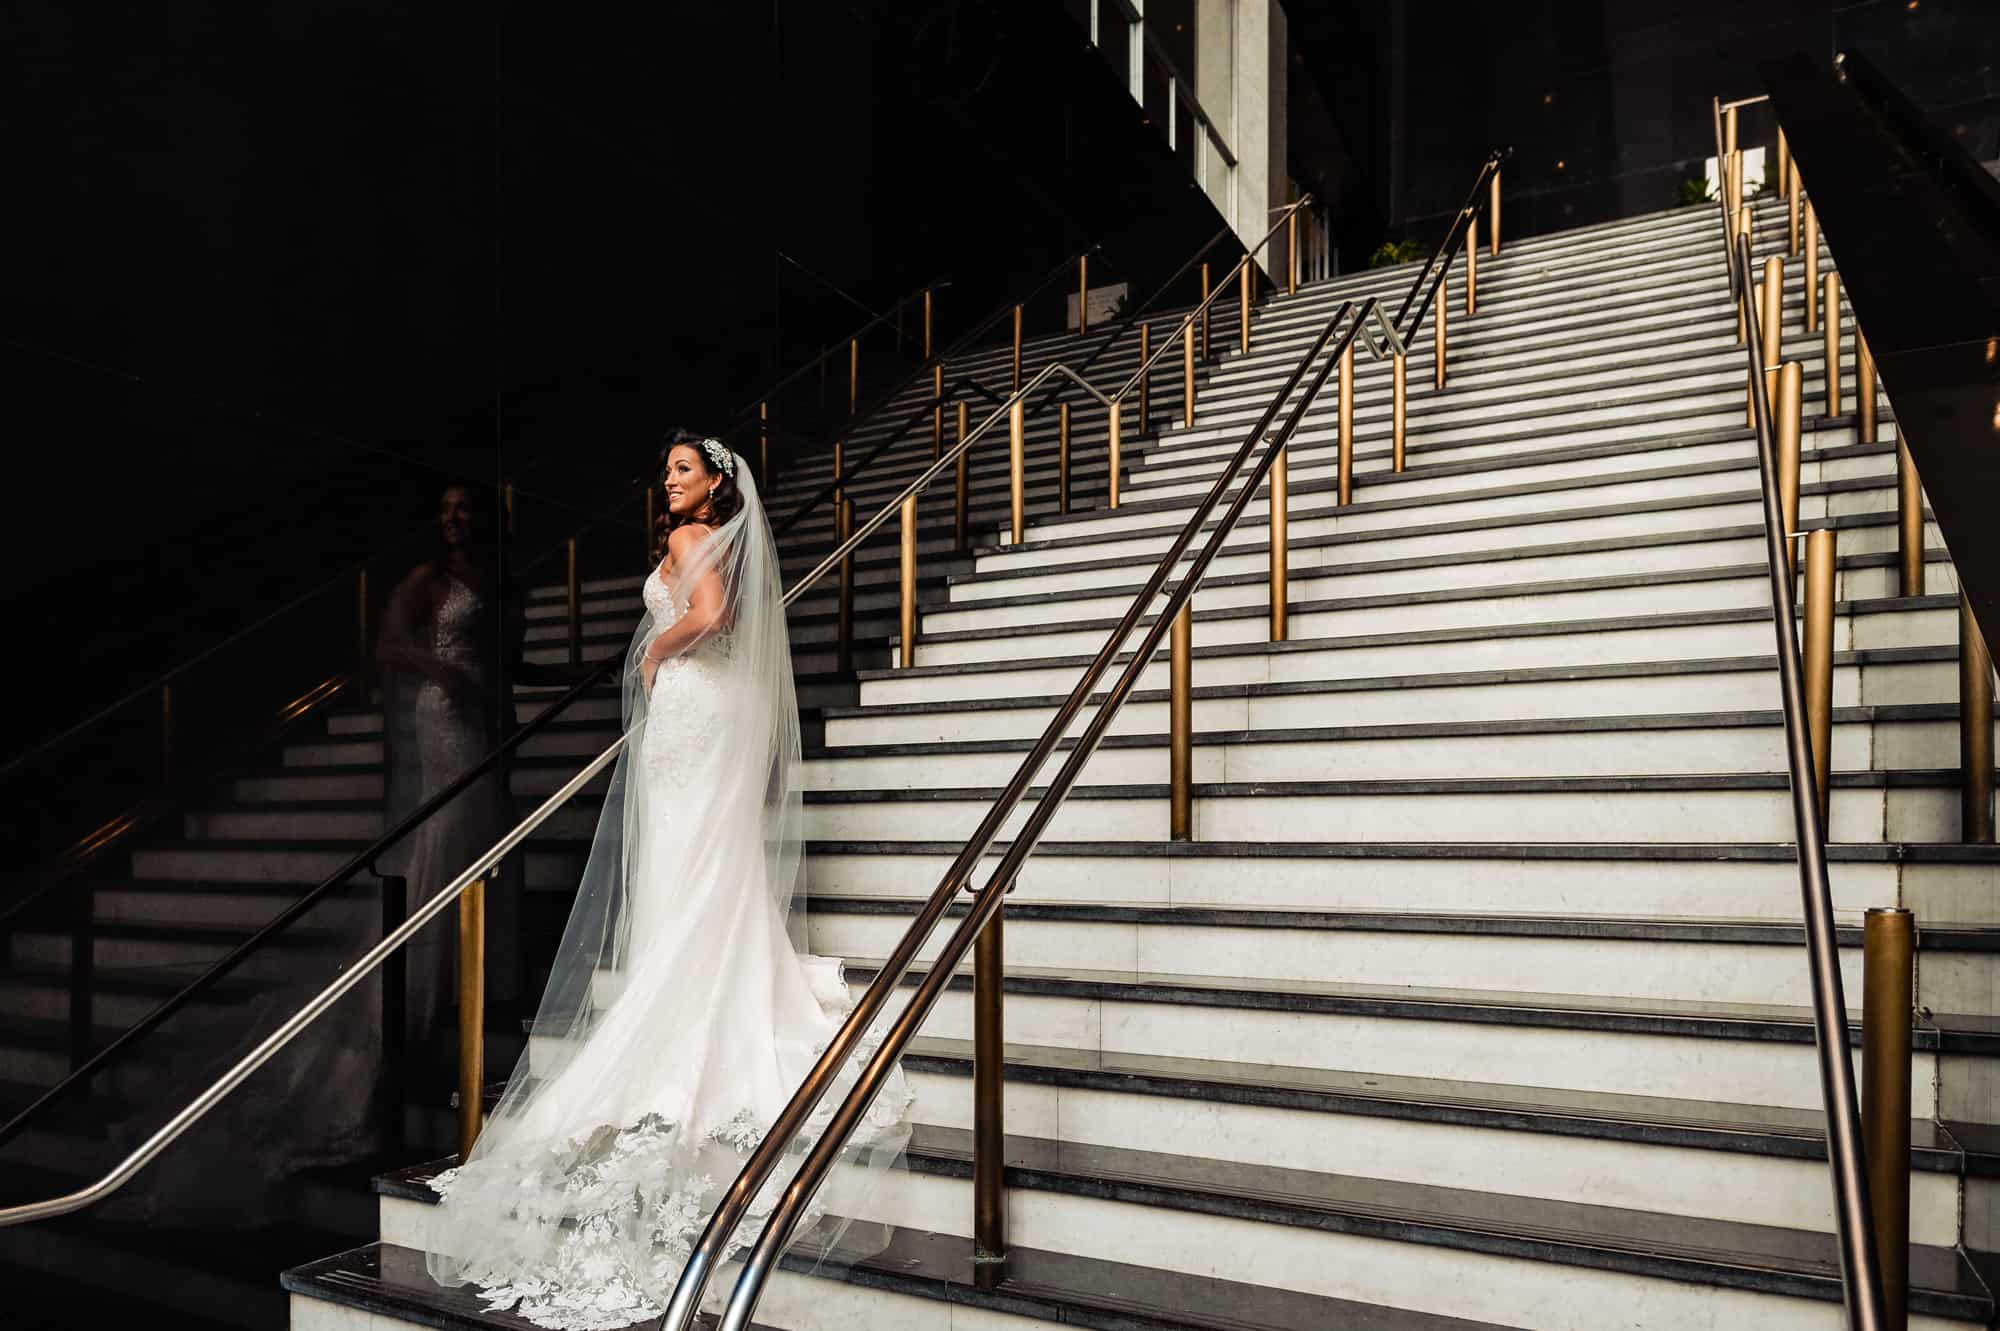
(682, 540)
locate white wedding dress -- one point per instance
(687, 1018)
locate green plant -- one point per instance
(1695, 191)
(1391, 252)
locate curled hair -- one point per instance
(726, 504)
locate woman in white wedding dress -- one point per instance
(681, 1013)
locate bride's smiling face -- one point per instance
(690, 485)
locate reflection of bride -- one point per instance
(681, 1014)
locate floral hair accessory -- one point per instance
(719, 457)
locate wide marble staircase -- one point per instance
(1478, 998)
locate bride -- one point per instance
(681, 1013)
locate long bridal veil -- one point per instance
(682, 1009)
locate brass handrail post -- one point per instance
(1345, 486)
(1145, 377)
(1771, 296)
(1437, 333)
(1745, 228)
(1399, 397)
(853, 375)
(1292, 253)
(1243, 281)
(1784, 166)
(1888, 998)
(989, 1105)
(1187, 378)
(906, 619)
(1792, 211)
(1818, 660)
(1864, 385)
(573, 593)
(1471, 265)
(1016, 469)
(839, 478)
(1493, 214)
(1114, 441)
(937, 411)
(763, 448)
(961, 489)
(1787, 411)
(167, 732)
(1062, 457)
(1831, 344)
(1909, 523)
(1017, 348)
(1812, 266)
(507, 506)
(928, 293)
(471, 1014)
(1281, 514)
(844, 610)
(1204, 311)
(1975, 728)
(1180, 726)
(1082, 294)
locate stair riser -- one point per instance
(1856, 747)
(1744, 690)
(357, 908)
(330, 786)
(1717, 1185)
(1617, 968)
(1651, 816)
(49, 1002)
(1737, 1071)
(154, 954)
(1584, 888)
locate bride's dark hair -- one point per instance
(726, 504)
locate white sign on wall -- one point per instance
(1103, 304)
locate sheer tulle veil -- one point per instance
(678, 1017)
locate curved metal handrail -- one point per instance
(1860, 1260)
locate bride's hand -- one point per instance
(648, 668)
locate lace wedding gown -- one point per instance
(592, 1180)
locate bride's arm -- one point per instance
(703, 616)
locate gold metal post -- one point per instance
(1017, 348)
(1204, 311)
(1743, 228)
(907, 605)
(1784, 164)
(1831, 343)
(471, 1013)
(1399, 397)
(1180, 739)
(1082, 294)
(1062, 457)
(989, 1107)
(961, 496)
(1472, 265)
(1975, 728)
(844, 609)
(1786, 419)
(1244, 279)
(1493, 214)
(1864, 385)
(927, 323)
(573, 588)
(1909, 523)
(1115, 430)
(1771, 294)
(1346, 481)
(1017, 468)
(1281, 512)
(937, 411)
(853, 375)
(1145, 378)
(1729, 132)
(1292, 253)
(839, 470)
(1792, 213)
(1812, 266)
(1437, 334)
(507, 505)
(1888, 988)
(1819, 659)
(1187, 378)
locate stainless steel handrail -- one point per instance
(1860, 1262)
(791, 1205)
